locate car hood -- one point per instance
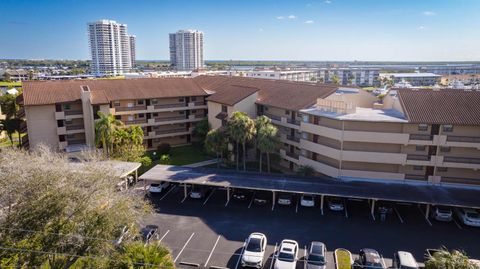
(313, 266)
(284, 265)
(249, 256)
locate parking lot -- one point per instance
(211, 231)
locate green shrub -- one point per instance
(165, 159)
(146, 161)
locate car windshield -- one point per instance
(316, 259)
(286, 257)
(254, 245)
(307, 198)
(444, 210)
(154, 185)
(473, 215)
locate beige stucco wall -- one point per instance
(42, 126)
(360, 99)
(213, 110)
(247, 105)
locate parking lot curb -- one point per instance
(190, 264)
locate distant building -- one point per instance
(186, 50)
(415, 79)
(133, 57)
(364, 76)
(14, 74)
(109, 48)
(292, 75)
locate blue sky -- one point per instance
(406, 30)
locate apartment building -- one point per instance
(109, 48)
(424, 136)
(415, 79)
(186, 50)
(292, 75)
(353, 76)
(133, 39)
(62, 113)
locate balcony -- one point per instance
(25, 141)
(23, 127)
(73, 112)
(423, 137)
(76, 142)
(467, 139)
(292, 157)
(293, 138)
(171, 131)
(137, 121)
(132, 108)
(415, 177)
(74, 127)
(273, 117)
(21, 113)
(294, 121)
(169, 105)
(461, 160)
(418, 157)
(170, 119)
(61, 130)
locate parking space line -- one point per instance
(159, 241)
(251, 201)
(211, 252)
(296, 208)
(423, 215)
(346, 211)
(305, 257)
(241, 254)
(458, 224)
(273, 256)
(185, 198)
(183, 248)
(210, 195)
(169, 191)
(398, 214)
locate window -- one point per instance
(287, 112)
(448, 128)
(224, 109)
(266, 108)
(130, 104)
(442, 169)
(67, 107)
(154, 101)
(68, 121)
(155, 114)
(140, 102)
(182, 137)
(181, 100)
(118, 117)
(194, 98)
(194, 111)
(445, 149)
(420, 148)
(423, 127)
(130, 118)
(417, 167)
(61, 138)
(141, 115)
(181, 112)
(116, 103)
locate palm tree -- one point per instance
(105, 128)
(443, 259)
(216, 142)
(306, 170)
(266, 138)
(134, 254)
(242, 129)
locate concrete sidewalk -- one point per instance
(200, 164)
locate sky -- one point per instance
(304, 30)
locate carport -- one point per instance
(421, 194)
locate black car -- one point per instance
(240, 194)
(149, 232)
(369, 259)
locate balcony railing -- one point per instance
(74, 127)
(171, 131)
(292, 155)
(169, 105)
(418, 157)
(76, 141)
(133, 108)
(170, 119)
(416, 177)
(461, 160)
(293, 138)
(425, 137)
(136, 121)
(273, 117)
(21, 113)
(73, 112)
(293, 121)
(199, 103)
(468, 139)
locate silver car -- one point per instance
(442, 213)
(316, 256)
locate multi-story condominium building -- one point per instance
(109, 48)
(415, 79)
(186, 50)
(292, 75)
(424, 136)
(350, 76)
(133, 56)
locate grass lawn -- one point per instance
(369, 89)
(10, 84)
(251, 166)
(5, 142)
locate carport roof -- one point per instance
(381, 190)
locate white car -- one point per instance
(254, 250)
(158, 187)
(284, 199)
(335, 204)
(307, 200)
(469, 217)
(287, 255)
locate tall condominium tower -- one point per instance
(132, 49)
(186, 49)
(109, 48)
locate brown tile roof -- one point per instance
(278, 93)
(104, 91)
(441, 107)
(232, 94)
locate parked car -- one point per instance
(158, 187)
(442, 213)
(336, 204)
(284, 199)
(261, 198)
(469, 217)
(404, 260)
(199, 192)
(287, 255)
(240, 194)
(254, 250)
(369, 259)
(307, 200)
(316, 256)
(149, 233)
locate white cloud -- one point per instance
(292, 17)
(328, 1)
(309, 22)
(421, 27)
(280, 17)
(429, 13)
